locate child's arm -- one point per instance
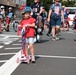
(31, 25)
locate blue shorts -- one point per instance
(55, 22)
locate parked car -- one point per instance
(71, 11)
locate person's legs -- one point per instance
(40, 24)
(26, 46)
(40, 21)
(31, 41)
(57, 30)
(58, 23)
(26, 49)
(49, 31)
(53, 24)
(7, 24)
(53, 31)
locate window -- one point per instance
(71, 11)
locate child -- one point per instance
(28, 24)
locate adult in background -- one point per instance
(65, 25)
(54, 17)
(3, 10)
(37, 9)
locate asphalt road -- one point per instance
(52, 57)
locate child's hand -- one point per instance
(18, 33)
(24, 27)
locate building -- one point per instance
(15, 4)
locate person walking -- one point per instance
(65, 25)
(9, 17)
(54, 17)
(3, 11)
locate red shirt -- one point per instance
(29, 32)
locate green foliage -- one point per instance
(47, 3)
(68, 4)
(29, 2)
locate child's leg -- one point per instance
(32, 52)
(31, 41)
(26, 49)
(31, 49)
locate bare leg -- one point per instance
(26, 49)
(31, 49)
(32, 52)
(53, 31)
(40, 21)
(57, 30)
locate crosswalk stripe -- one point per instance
(1, 61)
(16, 44)
(8, 53)
(13, 48)
(1, 47)
(8, 67)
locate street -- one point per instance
(52, 57)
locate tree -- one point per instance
(47, 3)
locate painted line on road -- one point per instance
(8, 53)
(62, 57)
(7, 43)
(1, 61)
(6, 37)
(1, 47)
(11, 65)
(69, 32)
(9, 35)
(12, 48)
(16, 44)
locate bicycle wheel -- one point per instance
(15, 24)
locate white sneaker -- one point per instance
(57, 38)
(53, 39)
(33, 59)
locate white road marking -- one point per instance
(19, 41)
(8, 53)
(16, 44)
(1, 46)
(1, 61)
(6, 37)
(7, 43)
(13, 48)
(10, 65)
(69, 32)
(9, 35)
(49, 56)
